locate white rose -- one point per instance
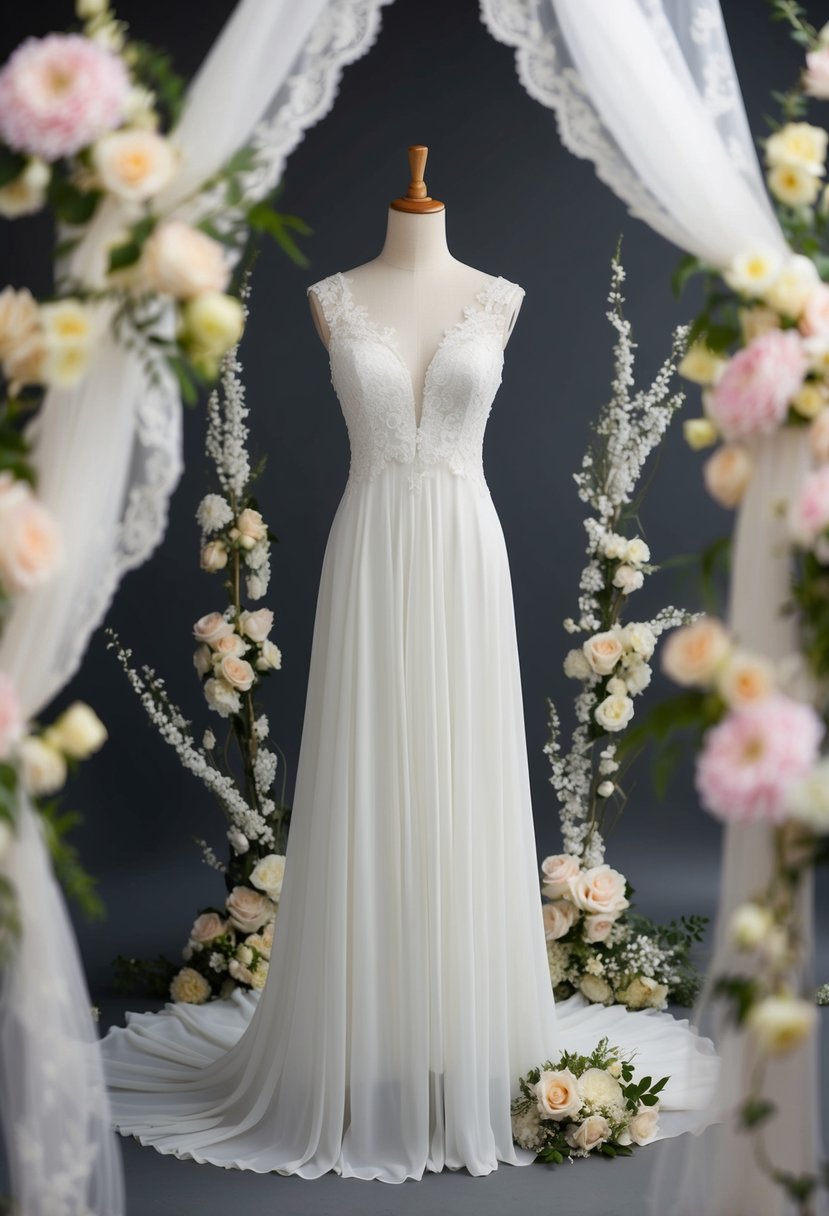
(270, 657)
(557, 870)
(43, 768)
(231, 644)
(701, 365)
(213, 556)
(749, 925)
(796, 281)
(78, 732)
(614, 547)
(244, 955)
(798, 143)
(256, 625)
(637, 678)
(27, 193)
(807, 800)
(557, 1094)
(599, 890)
(781, 1023)
(693, 654)
(614, 713)
(181, 261)
(639, 638)
(189, 987)
(213, 321)
(237, 672)
(559, 918)
(211, 627)
(595, 989)
(221, 697)
(249, 910)
(600, 1089)
(744, 679)
(637, 552)
(603, 652)
(589, 1134)
(576, 665)
(203, 660)
(699, 433)
(754, 271)
(727, 473)
(268, 875)
(644, 1126)
(206, 928)
(627, 579)
(134, 164)
(597, 928)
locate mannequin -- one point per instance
(414, 286)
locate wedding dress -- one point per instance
(408, 986)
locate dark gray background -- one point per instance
(517, 205)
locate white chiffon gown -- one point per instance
(408, 985)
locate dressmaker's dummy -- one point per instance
(415, 286)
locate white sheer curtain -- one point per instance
(108, 456)
(646, 90)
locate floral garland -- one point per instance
(228, 947)
(594, 944)
(580, 1105)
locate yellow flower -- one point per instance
(793, 185)
(699, 433)
(800, 145)
(810, 399)
(701, 365)
(754, 271)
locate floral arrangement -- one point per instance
(81, 131)
(228, 946)
(580, 1105)
(596, 945)
(760, 346)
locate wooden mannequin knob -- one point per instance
(416, 198)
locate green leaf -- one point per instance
(263, 218)
(124, 255)
(72, 205)
(12, 165)
(755, 1111)
(687, 268)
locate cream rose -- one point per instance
(699, 433)
(749, 926)
(627, 579)
(221, 697)
(43, 768)
(258, 941)
(211, 627)
(644, 1126)
(638, 677)
(643, 993)
(693, 654)
(727, 473)
(260, 975)
(213, 556)
(597, 928)
(559, 918)
(595, 989)
(811, 400)
(203, 660)
(753, 272)
(256, 625)
(637, 552)
(189, 987)
(270, 656)
(237, 672)
(603, 651)
(744, 679)
(701, 365)
(268, 875)
(213, 321)
(589, 1134)
(27, 193)
(78, 732)
(556, 871)
(576, 666)
(798, 143)
(249, 910)
(134, 165)
(251, 526)
(781, 1023)
(206, 928)
(230, 644)
(639, 638)
(614, 713)
(557, 1094)
(181, 261)
(599, 891)
(799, 277)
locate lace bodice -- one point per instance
(375, 389)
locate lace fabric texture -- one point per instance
(375, 390)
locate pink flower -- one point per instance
(753, 393)
(816, 76)
(59, 94)
(749, 761)
(30, 543)
(809, 511)
(814, 320)
(11, 718)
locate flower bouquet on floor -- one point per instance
(596, 944)
(229, 944)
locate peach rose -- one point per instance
(814, 320)
(557, 871)
(597, 928)
(207, 927)
(251, 527)
(599, 890)
(589, 1134)
(745, 678)
(558, 1094)
(726, 474)
(238, 672)
(211, 627)
(603, 651)
(559, 919)
(134, 165)
(30, 545)
(693, 654)
(257, 625)
(213, 556)
(249, 910)
(644, 1125)
(181, 261)
(230, 644)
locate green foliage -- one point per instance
(739, 992)
(78, 884)
(12, 165)
(128, 253)
(139, 977)
(263, 217)
(155, 70)
(754, 1112)
(71, 205)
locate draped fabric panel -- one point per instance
(108, 456)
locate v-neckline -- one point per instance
(387, 336)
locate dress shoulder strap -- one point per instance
(333, 296)
(502, 298)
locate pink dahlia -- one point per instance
(59, 94)
(749, 761)
(753, 393)
(809, 511)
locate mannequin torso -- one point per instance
(416, 287)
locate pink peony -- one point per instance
(11, 720)
(809, 511)
(30, 541)
(749, 761)
(753, 393)
(59, 94)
